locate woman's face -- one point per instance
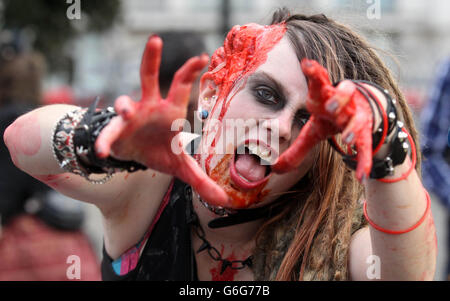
(259, 121)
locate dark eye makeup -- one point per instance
(301, 117)
(269, 93)
(266, 95)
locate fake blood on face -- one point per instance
(239, 198)
(245, 49)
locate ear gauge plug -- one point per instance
(204, 114)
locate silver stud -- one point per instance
(81, 151)
(390, 166)
(405, 145)
(402, 136)
(391, 116)
(400, 124)
(64, 163)
(394, 101)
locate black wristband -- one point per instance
(398, 147)
(87, 132)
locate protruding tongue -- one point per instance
(248, 166)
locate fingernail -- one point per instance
(349, 138)
(332, 106)
(307, 63)
(100, 152)
(364, 179)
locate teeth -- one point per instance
(260, 151)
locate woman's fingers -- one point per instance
(149, 72)
(317, 74)
(354, 128)
(125, 107)
(343, 94)
(180, 88)
(358, 133)
(309, 136)
(208, 190)
(364, 156)
(319, 85)
(108, 136)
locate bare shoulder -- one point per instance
(360, 250)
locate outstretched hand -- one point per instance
(334, 110)
(142, 130)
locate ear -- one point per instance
(208, 93)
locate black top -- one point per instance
(168, 253)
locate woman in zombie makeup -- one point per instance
(278, 206)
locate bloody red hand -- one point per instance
(142, 131)
(334, 110)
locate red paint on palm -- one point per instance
(238, 197)
(333, 110)
(142, 131)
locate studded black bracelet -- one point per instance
(397, 146)
(74, 139)
(87, 132)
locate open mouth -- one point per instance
(250, 165)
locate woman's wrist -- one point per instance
(389, 147)
(73, 144)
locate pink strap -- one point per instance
(129, 259)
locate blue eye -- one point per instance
(266, 95)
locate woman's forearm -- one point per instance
(399, 206)
(29, 140)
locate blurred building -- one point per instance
(415, 33)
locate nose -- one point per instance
(280, 127)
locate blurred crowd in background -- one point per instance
(57, 51)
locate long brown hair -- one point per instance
(321, 225)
